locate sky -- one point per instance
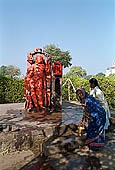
(86, 28)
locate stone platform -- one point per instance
(21, 133)
(13, 114)
(50, 142)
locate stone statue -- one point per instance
(43, 80)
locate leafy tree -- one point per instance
(76, 71)
(100, 74)
(3, 70)
(9, 71)
(58, 55)
(88, 77)
(112, 77)
(13, 71)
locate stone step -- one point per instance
(23, 138)
(62, 144)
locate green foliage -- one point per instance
(58, 55)
(100, 74)
(3, 81)
(107, 84)
(76, 71)
(112, 77)
(10, 71)
(11, 90)
(88, 77)
(77, 83)
(3, 70)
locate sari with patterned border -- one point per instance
(95, 131)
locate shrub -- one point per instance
(77, 83)
(11, 90)
(107, 84)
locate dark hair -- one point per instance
(93, 80)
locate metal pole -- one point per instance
(68, 90)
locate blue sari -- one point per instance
(95, 131)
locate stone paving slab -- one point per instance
(13, 114)
(16, 160)
(4, 108)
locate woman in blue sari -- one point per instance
(97, 118)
